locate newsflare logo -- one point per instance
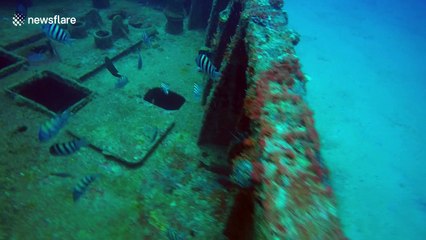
(18, 20)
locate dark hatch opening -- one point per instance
(52, 91)
(159, 98)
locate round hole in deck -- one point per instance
(102, 33)
(171, 101)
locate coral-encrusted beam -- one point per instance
(296, 200)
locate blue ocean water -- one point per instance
(366, 60)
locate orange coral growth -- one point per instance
(303, 232)
(328, 191)
(310, 155)
(249, 142)
(276, 98)
(315, 165)
(281, 73)
(313, 136)
(301, 192)
(290, 154)
(275, 157)
(284, 89)
(306, 118)
(256, 97)
(281, 228)
(258, 170)
(305, 110)
(250, 153)
(282, 171)
(250, 71)
(295, 99)
(262, 143)
(253, 107)
(318, 172)
(266, 203)
(289, 138)
(266, 129)
(300, 75)
(267, 181)
(290, 83)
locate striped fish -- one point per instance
(121, 82)
(68, 148)
(50, 128)
(55, 32)
(82, 186)
(146, 40)
(165, 88)
(206, 66)
(198, 90)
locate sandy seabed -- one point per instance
(368, 93)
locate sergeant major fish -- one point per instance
(121, 82)
(51, 127)
(67, 148)
(55, 32)
(206, 66)
(82, 186)
(146, 40)
(197, 90)
(165, 88)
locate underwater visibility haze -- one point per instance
(212, 119)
